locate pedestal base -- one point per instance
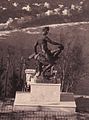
(44, 97)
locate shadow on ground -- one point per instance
(82, 104)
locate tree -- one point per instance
(70, 67)
(9, 74)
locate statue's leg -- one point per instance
(52, 70)
(47, 68)
(39, 70)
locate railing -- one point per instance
(41, 115)
(36, 115)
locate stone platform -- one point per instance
(44, 97)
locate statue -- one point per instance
(46, 58)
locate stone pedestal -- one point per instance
(41, 94)
(45, 97)
(45, 93)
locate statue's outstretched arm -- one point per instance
(52, 42)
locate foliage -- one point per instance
(70, 67)
(11, 73)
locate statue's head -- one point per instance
(45, 30)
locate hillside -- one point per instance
(22, 14)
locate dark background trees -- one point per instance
(11, 72)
